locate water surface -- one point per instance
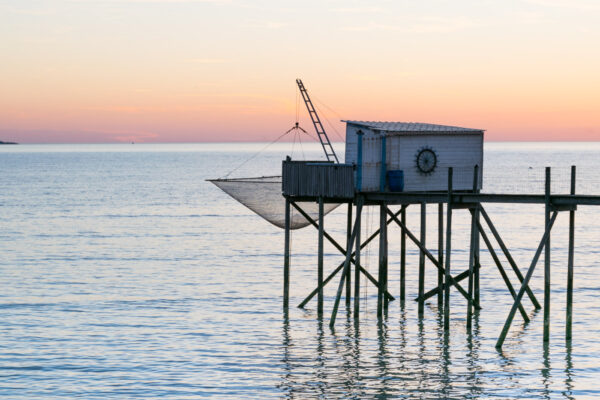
(125, 275)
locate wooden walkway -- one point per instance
(447, 201)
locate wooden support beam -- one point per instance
(488, 243)
(461, 197)
(440, 289)
(440, 254)
(431, 258)
(376, 283)
(477, 258)
(286, 257)
(403, 256)
(341, 265)
(381, 288)
(547, 261)
(447, 276)
(348, 245)
(477, 263)
(336, 304)
(569, 321)
(423, 229)
(320, 258)
(474, 233)
(470, 284)
(316, 225)
(385, 256)
(508, 256)
(528, 276)
(357, 269)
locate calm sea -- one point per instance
(124, 274)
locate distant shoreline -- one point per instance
(1, 142)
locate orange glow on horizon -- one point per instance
(122, 71)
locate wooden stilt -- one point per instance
(385, 257)
(569, 321)
(320, 257)
(286, 257)
(488, 243)
(448, 252)
(316, 225)
(477, 241)
(341, 250)
(470, 285)
(440, 254)
(382, 258)
(403, 256)
(474, 234)
(336, 304)
(348, 236)
(431, 258)
(528, 276)
(357, 270)
(547, 262)
(422, 258)
(508, 256)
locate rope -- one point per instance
(294, 144)
(327, 120)
(301, 148)
(254, 155)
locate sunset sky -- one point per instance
(224, 70)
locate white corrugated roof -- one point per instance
(411, 127)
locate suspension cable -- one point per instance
(255, 154)
(327, 120)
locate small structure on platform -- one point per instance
(387, 154)
(395, 164)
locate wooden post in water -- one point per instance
(474, 233)
(320, 258)
(386, 299)
(448, 250)
(488, 243)
(547, 261)
(357, 267)
(382, 258)
(403, 258)
(336, 303)
(348, 245)
(508, 256)
(422, 258)
(477, 258)
(528, 275)
(286, 257)
(570, 261)
(440, 254)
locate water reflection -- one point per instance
(403, 355)
(568, 371)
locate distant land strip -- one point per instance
(1, 142)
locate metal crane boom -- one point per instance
(327, 148)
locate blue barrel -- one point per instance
(395, 180)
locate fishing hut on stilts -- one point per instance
(396, 165)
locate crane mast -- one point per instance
(327, 148)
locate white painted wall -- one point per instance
(459, 151)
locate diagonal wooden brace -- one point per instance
(343, 251)
(336, 304)
(528, 276)
(508, 256)
(432, 258)
(501, 270)
(437, 289)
